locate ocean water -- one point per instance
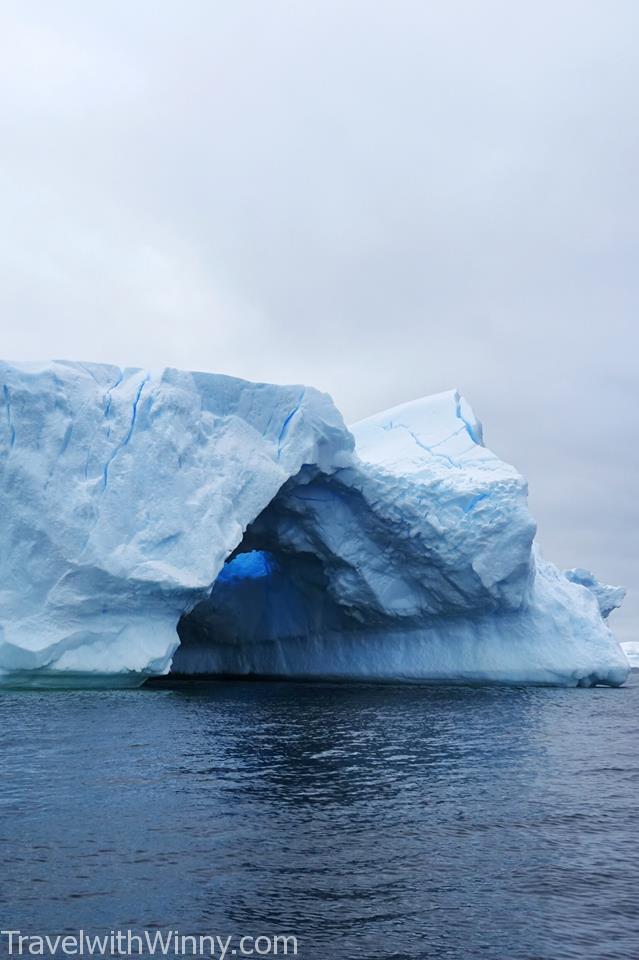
(368, 821)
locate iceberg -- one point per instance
(156, 521)
(631, 649)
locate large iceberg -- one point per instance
(156, 521)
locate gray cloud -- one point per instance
(382, 199)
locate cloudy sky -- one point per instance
(383, 198)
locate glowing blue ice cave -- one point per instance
(252, 565)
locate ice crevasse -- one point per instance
(156, 521)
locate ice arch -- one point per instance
(123, 494)
(401, 568)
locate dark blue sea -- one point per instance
(368, 821)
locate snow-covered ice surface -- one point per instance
(131, 500)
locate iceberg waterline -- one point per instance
(276, 541)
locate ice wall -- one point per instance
(122, 492)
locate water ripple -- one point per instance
(372, 822)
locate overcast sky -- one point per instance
(382, 198)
